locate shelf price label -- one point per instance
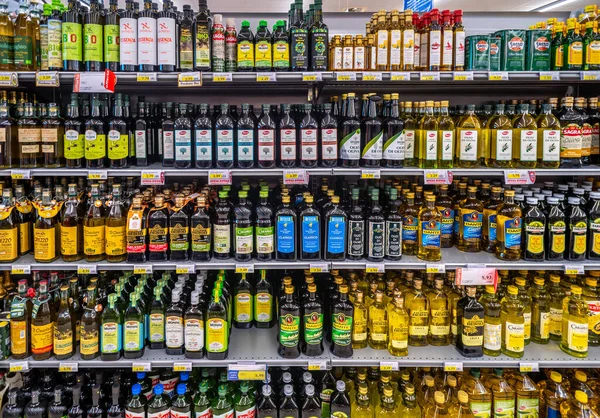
(152, 178)
(193, 79)
(222, 77)
(183, 366)
(319, 267)
(142, 269)
(47, 79)
(399, 76)
(19, 366)
(375, 268)
(519, 176)
(10, 79)
(244, 268)
(498, 76)
(587, 75)
(219, 177)
(146, 77)
(87, 269)
(185, 269)
(429, 76)
(95, 82)
(574, 269)
(314, 365)
(435, 268)
(297, 176)
(266, 77)
(246, 371)
(20, 174)
(463, 76)
(345, 76)
(476, 276)
(70, 367)
(549, 76)
(141, 367)
(372, 76)
(453, 366)
(529, 367)
(20, 269)
(314, 76)
(388, 366)
(370, 174)
(97, 175)
(438, 176)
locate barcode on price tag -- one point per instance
(453, 366)
(476, 276)
(219, 177)
(142, 269)
(87, 269)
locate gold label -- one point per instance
(44, 244)
(115, 240)
(29, 135)
(8, 244)
(49, 135)
(93, 240)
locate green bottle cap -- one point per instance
(245, 24)
(264, 193)
(243, 194)
(262, 23)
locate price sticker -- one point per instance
(141, 367)
(395, 76)
(574, 269)
(97, 175)
(549, 76)
(20, 269)
(70, 367)
(312, 77)
(193, 79)
(345, 76)
(435, 268)
(266, 77)
(219, 177)
(246, 372)
(498, 76)
(95, 82)
(185, 269)
(297, 176)
(438, 176)
(375, 268)
(590, 75)
(429, 76)
(388, 366)
(152, 178)
(463, 76)
(314, 365)
(10, 79)
(222, 77)
(87, 269)
(519, 176)
(319, 267)
(185, 366)
(371, 76)
(244, 268)
(370, 174)
(146, 77)
(453, 366)
(20, 174)
(19, 366)
(529, 367)
(47, 79)
(476, 276)
(142, 269)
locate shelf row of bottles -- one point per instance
(295, 393)
(100, 132)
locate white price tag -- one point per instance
(185, 268)
(184, 366)
(219, 177)
(437, 176)
(47, 79)
(529, 367)
(146, 77)
(370, 174)
(296, 176)
(399, 76)
(375, 268)
(142, 269)
(19, 366)
(590, 75)
(372, 76)
(97, 174)
(222, 77)
(463, 76)
(246, 371)
(312, 76)
(141, 367)
(152, 178)
(435, 268)
(244, 268)
(314, 365)
(70, 367)
(10, 79)
(345, 76)
(574, 269)
(193, 79)
(498, 76)
(266, 77)
(453, 366)
(95, 82)
(388, 366)
(549, 76)
(319, 267)
(519, 176)
(476, 276)
(87, 269)
(20, 174)
(20, 269)
(429, 76)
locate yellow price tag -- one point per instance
(216, 176)
(20, 269)
(386, 368)
(372, 270)
(342, 77)
(546, 77)
(218, 78)
(67, 367)
(16, 367)
(241, 269)
(17, 176)
(84, 270)
(141, 367)
(369, 77)
(182, 367)
(432, 176)
(571, 271)
(95, 176)
(142, 269)
(432, 269)
(460, 77)
(526, 368)
(453, 367)
(368, 176)
(590, 77)
(263, 78)
(514, 175)
(251, 375)
(4, 78)
(148, 175)
(309, 77)
(427, 78)
(399, 77)
(291, 176)
(495, 77)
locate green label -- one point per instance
(95, 145)
(71, 41)
(200, 238)
(186, 49)
(528, 408)
(263, 307)
(54, 43)
(263, 54)
(481, 409)
(245, 55)
(341, 333)
(281, 54)
(74, 145)
(92, 40)
(118, 145)
(202, 47)
(7, 55)
(111, 43)
(326, 402)
(504, 408)
(313, 328)
(289, 330)
(23, 50)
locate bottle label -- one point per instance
(409, 144)
(92, 42)
(527, 320)
(356, 242)
(447, 145)
(382, 47)
(224, 145)
(534, 237)
(44, 242)
(447, 229)
(146, 41)
(528, 145)
(186, 49)
(313, 328)
(88, 341)
(54, 44)
(74, 145)
(42, 338)
(578, 237)
(395, 47)
(174, 331)
(263, 52)
(373, 59)
(431, 234)
(207, 413)
(168, 145)
(299, 48)
(243, 239)
(393, 241)
(140, 144)
(408, 47)
(431, 143)
(544, 324)
(468, 145)
(246, 413)
(329, 144)
(264, 239)
(341, 332)
(204, 145)
(161, 414)
(393, 147)
(556, 321)
(266, 145)
(418, 322)
(134, 336)
(435, 48)
(511, 231)
(115, 240)
(558, 237)
(72, 45)
(288, 144)
(505, 408)
(157, 241)
(571, 141)
(472, 334)
(528, 407)
(111, 43)
(577, 336)
(95, 145)
(504, 144)
(439, 319)
(424, 48)
(19, 336)
(459, 49)
(194, 334)
(201, 238)
(166, 37)
(63, 342)
(347, 58)
(492, 336)
(94, 240)
(575, 53)
(311, 234)
(308, 141)
(289, 330)
(218, 48)
(183, 145)
(222, 242)
(128, 41)
(515, 337)
(281, 55)
(156, 327)
(374, 148)
(24, 237)
(8, 244)
(350, 146)
(202, 46)
(592, 53)
(448, 48)
(179, 414)
(285, 234)
(245, 144)
(245, 55)
(376, 237)
(178, 236)
(110, 337)
(319, 40)
(410, 229)
(243, 307)
(586, 140)
(471, 225)
(228, 414)
(263, 306)
(136, 240)
(118, 145)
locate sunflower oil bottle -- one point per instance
(513, 329)
(553, 395)
(575, 324)
(480, 399)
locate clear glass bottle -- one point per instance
(469, 143)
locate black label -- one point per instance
(319, 46)
(299, 49)
(376, 239)
(393, 244)
(356, 243)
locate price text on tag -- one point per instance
(519, 176)
(85, 269)
(463, 76)
(435, 268)
(476, 276)
(345, 76)
(574, 269)
(549, 76)
(394, 76)
(319, 267)
(298, 176)
(219, 177)
(370, 174)
(146, 77)
(388, 366)
(185, 269)
(266, 76)
(97, 174)
(312, 77)
(70, 367)
(314, 365)
(498, 76)
(193, 79)
(244, 268)
(19, 366)
(529, 367)
(438, 176)
(152, 178)
(20, 174)
(182, 367)
(370, 76)
(246, 371)
(590, 75)
(141, 367)
(9, 79)
(222, 77)
(142, 269)
(453, 366)
(47, 79)
(375, 268)
(20, 269)
(433, 76)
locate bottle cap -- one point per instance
(158, 389)
(136, 389)
(555, 377)
(288, 390)
(310, 390)
(463, 397)
(181, 389)
(531, 201)
(340, 386)
(439, 397)
(581, 396)
(581, 376)
(140, 375)
(266, 390)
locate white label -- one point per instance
(128, 42)
(204, 145)
(431, 143)
(519, 176)
(146, 77)
(185, 268)
(319, 267)
(152, 178)
(243, 243)
(194, 334)
(288, 144)
(437, 176)
(549, 76)
(295, 176)
(409, 47)
(476, 276)
(574, 269)
(409, 144)
(447, 48)
(174, 331)
(266, 145)
(114, 135)
(97, 174)
(87, 269)
(468, 145)
(453, 366)
(247, 413)
(551, 145)
(314, 365)
(492, 336)
(388, 366)
(498, 76)
(577, 336)
(142, 269)
(359, 58)
(459, 49)
(245, 144)
(370, 174)
(417, 50)
(590, 75)
(266, 76)
(317, 76)
(47, 79)
(395, 47)
(435, 48)
(244, 268)
(529, 367)
(338, 57)
(193, 79)
(140, 144)
(222, 239)
(329, 144)
(347, 58)
(146, 41)
(373, 58)
(447, 145)
(350, 146)
(18, 366)
(141, 367)
(463, 75)
(399, 76)
(393, 147)
(20, 174)
(166, 38)
(372, 76)
(429, 76)
(345, 76)
(382, 47)
(435, 268)
(308, 142)
(168, 145)
(219, 177)
(225, 145)
(504, 144)
(528, 145)
(375, 268)
(222, 77)
(69, 367)
(182, 366)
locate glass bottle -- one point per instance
(115, 229)
(417, 305)
(42, 324)
(243, 228)
(372, 136)
(439, 323)
(46, 230)
(94, 238)
(492, 328)
(350, 134)
(52, 134)
(265, 230)
(575, 324)
(378, 323)
(525, 138)
(217, 326)
(9, 233)
(64, 332)
(158, 230)
(89, 347)
(571, 135)
(342, 313)
(359, 321)
(289, 326)
(29, 137)
(468, 142)
(204, 140)
(245, 138)
(287, 138)
(428, 138)
(335, 231)
(224, 127)
(24, 40)
(308, 138)
(499, 141)
(398, 327)
(202, 36)
(265, 129)
(156, 320)
(471, 222)
(95, 136)
(576, 243)
(174, 331)
(179, 229)
(9, 148)
(111, 330)
(310, 230)
(513, 330)
(410, 226)
(133, 330)
(182, 135)
(470, 320)
(509, 225)
(74, 135)
(534, 230)
(285, 231)
(549, 133)
(93, 25)
(429, 231)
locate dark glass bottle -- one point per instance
(266, 407)
(222, 227)
(469, 318)
(168, 136)
(312, 325)
(350, 135)
(35, 409)
(74, 141)
(56, 409)
(136, 403)
(118, 136)
(576, 245)
(160, 403)
(72, 35)
(183, 138)
(534, 229)
(245, 130)
(93, 36)
(372, 136)
(342, 313)
(137, 233)
(393, 138)
(200, 228)
(158, 231)
(376, 232)
(319, 40)
(299, 41)
(115, 410)
(556, 231)
(393, 228)
(29, 137)
(76, 411)
(95, 136)
(146, 36)
(243, 228)
(224, 129)
(309, 132)
(335, 231)
(204, 141)
(287, 138)
(340, 403)
(310, 231)
(264, 229)
(142, 139)
(328, 138)
(202, 31)
(52, 138)
(186, 39)
(193, 321)
(265, 129)
(289, 325)
(356, 228)
(285, 231)
(571, 135)
(179, 229)
(111, 37)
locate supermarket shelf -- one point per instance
(477, 172)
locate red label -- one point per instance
(516, 44)
(481, 46)
(542, 44)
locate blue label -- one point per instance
(512, 233)
(431, 234)
(245, 146)
(336, 234)
(183, 145)
(552, 413)
(310, 234)
(447, 222)
(204, 145)
(285, 234)
(472, 223)
(409, 229)
(492, 227)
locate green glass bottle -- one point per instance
(111, 331)
(202, 407)
(133, 338)
(222, 406)
(244, 402)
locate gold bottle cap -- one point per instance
(335, 199)
(472, 189)
(451, 381)
(389, 392)
(512, 290)
(581, 396)
(289, 290)
(556, 377)
(509, 193)
(396, 96)
(287, 281)
(581, 376)
(309, 199)
(444, 103)
(429, 381)
(576, 290)
(343, 288)
(554, 278)
(539, 281)
(519, 281)
(385, 378)
(351, 95)
(309, 279)
(430, 198)
(429, 103)
(409, 389)
(463, 397)
(439, 397)
(363, 389)
(490, 290)
(590, 281)
(312, 287)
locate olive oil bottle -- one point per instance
(534, 232)
(492, 339)
(470, 226)
(9, 231)
(575, 324)
(446, 140)
(548, 128)
(468, 139)
(576, 243)
(115, 230)
(94, 238)
(429, 231)
(417, 305)
(470, 315)
(428, 138)
(556, 230)
(411, 125)
(46, 230)
(525, 138)
(509, 226)
(439, 324)
(513, 329)
(499, 139)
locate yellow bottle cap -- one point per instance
(429, 381)
(581, 396)
(512, 290)
(576, 290)
(556, 377)
(581, 376)
(463, 397)
(440, 398)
